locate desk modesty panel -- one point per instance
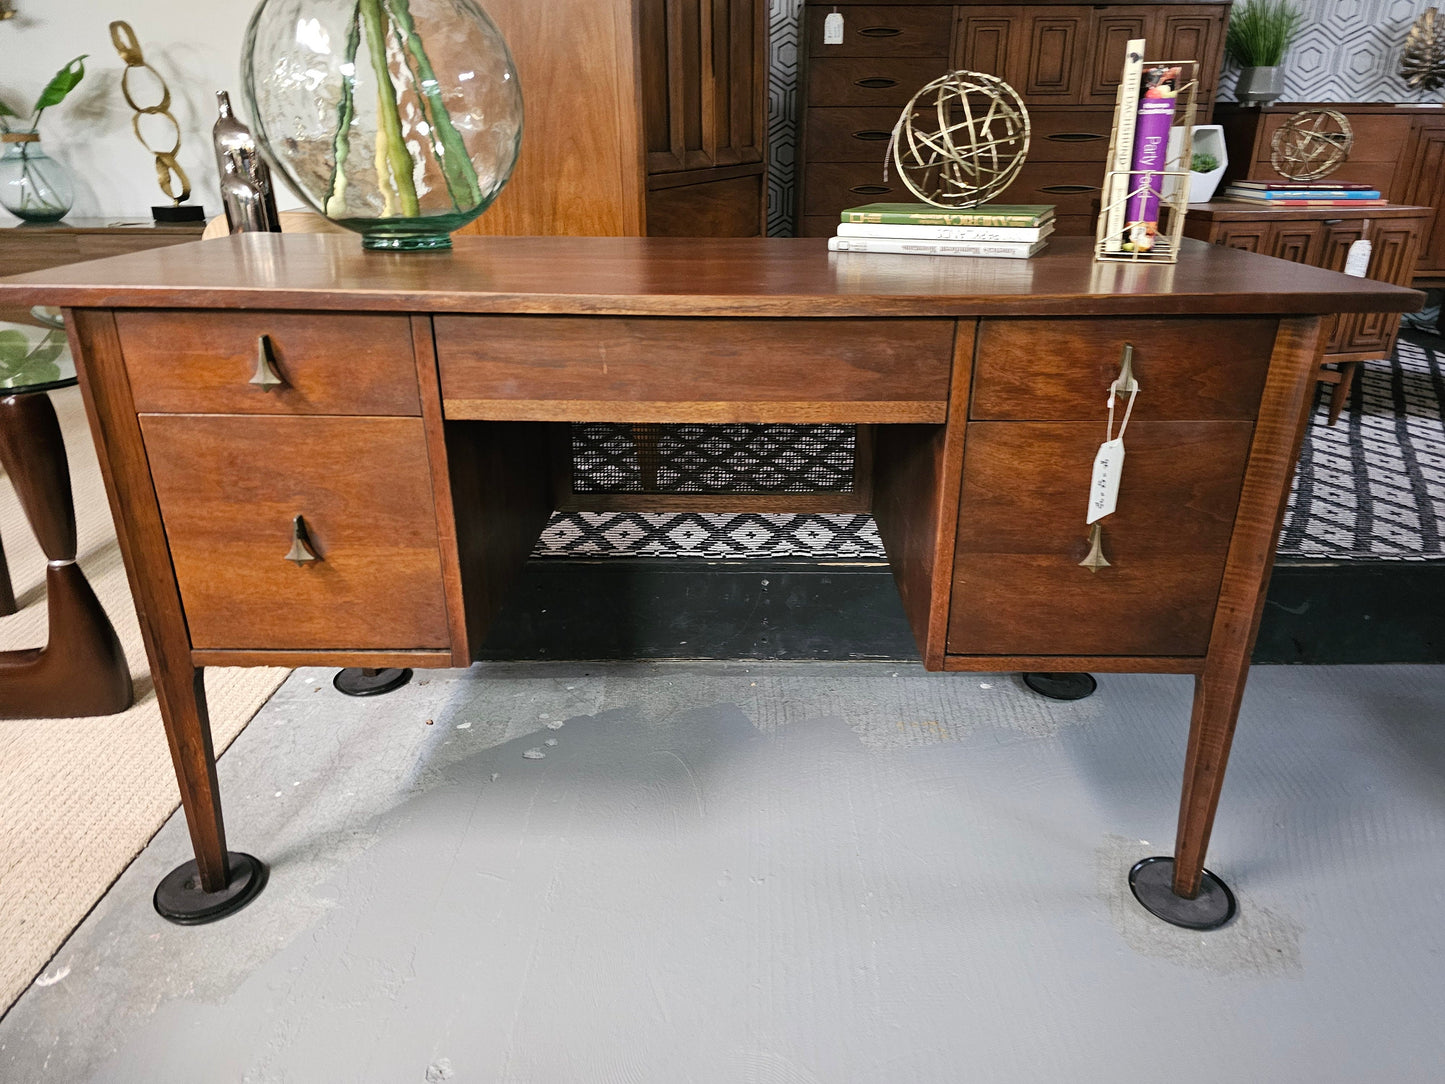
(317, 455)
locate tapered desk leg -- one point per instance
(1179, 889)
(216, 882)
(7, 589)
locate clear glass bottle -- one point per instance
(33, 186)
(400, 119)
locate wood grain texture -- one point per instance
(722, 370)
(229, 487)
(378, 659)
(202, 362)
(661, 276)
(916, 478)
(436, 450)
(1018, 588)
(1101, 664)
(1274, 450)
(1061, 369)
(582, 168)
(728, 207)
(180, 690)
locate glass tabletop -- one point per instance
(34, 359)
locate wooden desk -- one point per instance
(34, 246)
(404, 445)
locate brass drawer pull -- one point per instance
(301, 551)
(1074, 137)
(1068, 189)
(266, 377)
(877, 82)
(881, 31)
(870, 189)
(872, 135)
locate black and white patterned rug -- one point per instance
(1370, 488)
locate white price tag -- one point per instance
(1104, 487)
(1357, 262)
(833, 29)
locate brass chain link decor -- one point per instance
(169, 174)
(961, 140)
(1311, 144)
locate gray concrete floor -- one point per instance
(777, 874)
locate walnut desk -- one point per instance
(287, 424)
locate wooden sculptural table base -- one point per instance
(82, 669)
(235, 385)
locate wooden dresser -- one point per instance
(1063, 59)
(642, 117)
(1400, 149)
(442, 373)
(1321, 237)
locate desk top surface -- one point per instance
(692, 277)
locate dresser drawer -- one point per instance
(884, 31)
(1071, 135)
(204, 362)
(1018, 588)
(229, 490)
(829, 187)
(694, 369)
(870, 80)
(1060, 369)
(859, 134)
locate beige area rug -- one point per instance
(79, 798)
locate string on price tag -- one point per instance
(1109, 462)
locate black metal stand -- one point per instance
(1061, 686)
(180, 899)
(366, 681)
(1152, 881)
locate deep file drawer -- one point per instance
(230, 489)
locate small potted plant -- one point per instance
(33, 186)
(1260, 32)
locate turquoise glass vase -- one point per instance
(33, 186)
(400, 119)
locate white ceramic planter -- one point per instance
(1208, 139)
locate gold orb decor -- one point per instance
(1311, 144)
(961, 140)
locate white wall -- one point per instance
(194, 44)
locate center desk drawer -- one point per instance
(1060, 369)
(326, 363)
(229, 490)
(664, 369)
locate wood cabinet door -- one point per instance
(1298, 241)
(704, 73)
(1050, 49)
(1427, 189)
(1340, 234)
(1246, 236)
(986, 40)
(1193, 32)
(1112, 30)
(1393, 256)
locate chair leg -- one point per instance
(7, 589)
(1341, 394)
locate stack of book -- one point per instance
(1011, 231)
(1304, 194)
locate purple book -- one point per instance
(1151, 148)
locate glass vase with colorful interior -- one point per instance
(400, 119)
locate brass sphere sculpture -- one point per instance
(1311, 144)
(961, 140)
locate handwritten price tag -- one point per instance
(833, 29)
(1104, 487)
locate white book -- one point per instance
(1126, 113)
(1012, 250)
(946, 233)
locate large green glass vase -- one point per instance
(400, 119)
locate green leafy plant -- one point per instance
(21, 364)
(63, 83)
(1260, 31)
(1203, 163)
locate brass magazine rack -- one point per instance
(1122, 185)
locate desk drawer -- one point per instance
(1018, 588)
(579, 368)
(1061, 369)
(836, 81)
(203, 362)
(229, 488)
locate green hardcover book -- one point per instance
(924, 214)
